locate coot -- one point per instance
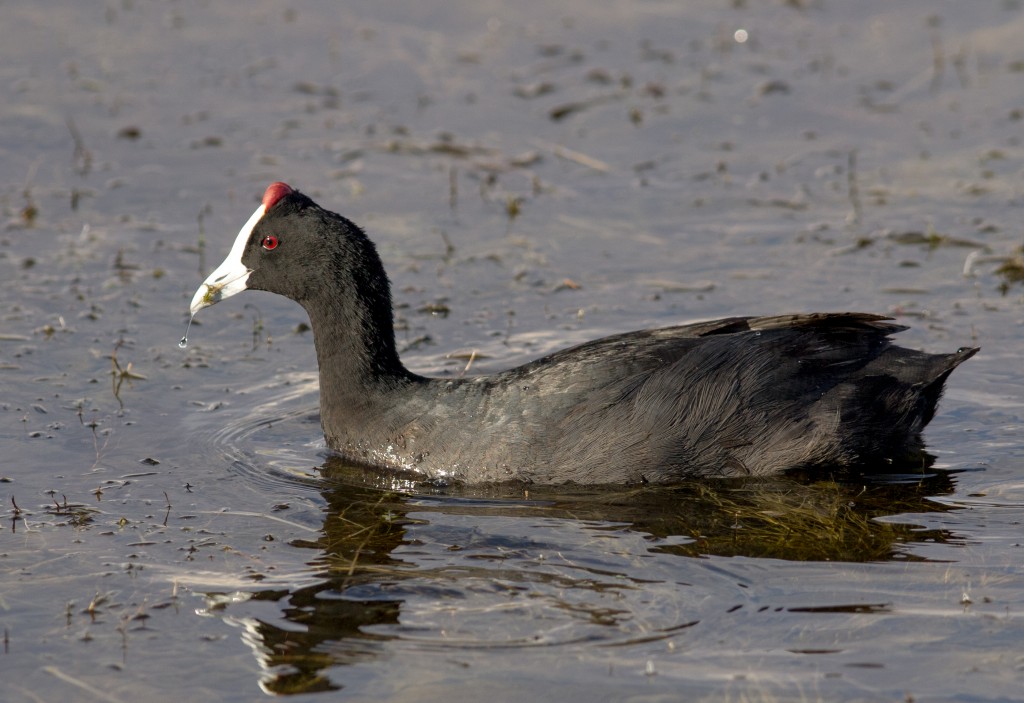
(731, 397)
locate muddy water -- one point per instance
(535, 176)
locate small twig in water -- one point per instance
(257, 326)
(453, 187)
(472, 358)
(938, 59)
(201, 242)
(119, 375)
(851, 186)
(91, 690)
(579, 157)
(82, 157)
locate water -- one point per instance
(534, 176)
(183, 342)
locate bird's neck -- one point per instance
(355, 345)
(361, 376)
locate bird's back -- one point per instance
(738, 396)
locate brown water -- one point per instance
(535, 176)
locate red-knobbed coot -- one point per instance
(731, 397)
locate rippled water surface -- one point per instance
(535, 175)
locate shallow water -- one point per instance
(173, 528)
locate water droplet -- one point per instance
(184, 339)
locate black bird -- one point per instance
(731, 397)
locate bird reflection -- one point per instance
(371, 523)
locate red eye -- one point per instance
(269, 242)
